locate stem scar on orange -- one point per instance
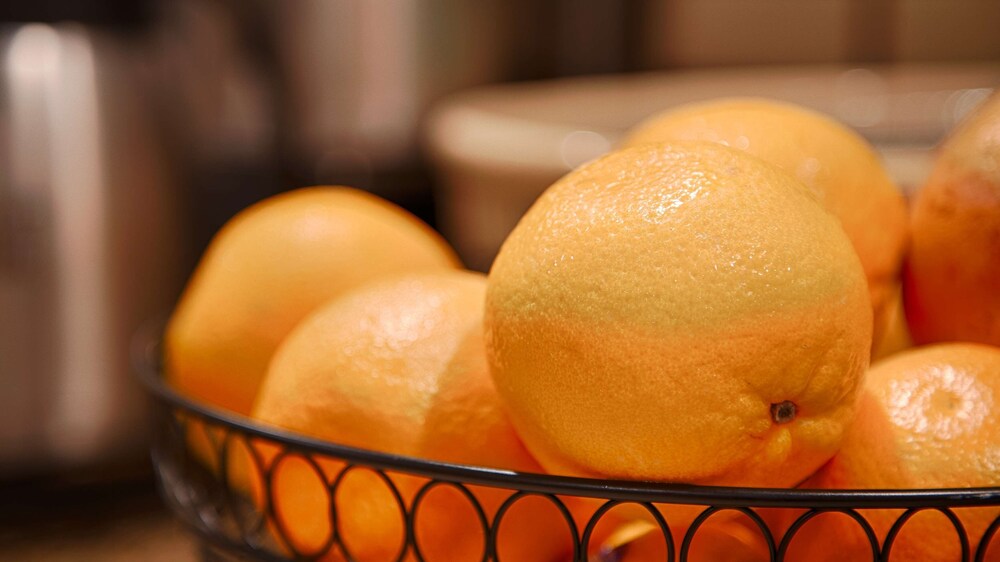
(679, 312)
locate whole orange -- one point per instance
(836, 163)
(952, 275)
(929, 420)
(398, 366)
(679, 312)
(271, 265)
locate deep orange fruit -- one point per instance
(952, 275)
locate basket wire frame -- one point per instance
(237, 527)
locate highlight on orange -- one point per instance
(835, 162)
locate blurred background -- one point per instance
(130, 131)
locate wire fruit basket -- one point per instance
(193, 450)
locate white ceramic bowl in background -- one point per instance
(495, 149)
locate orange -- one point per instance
(271, 265)
(952, 276)
(679, 312)
(897, 333)
(398, 366)
(836, 163)
(929, 420)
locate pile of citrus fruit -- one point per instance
(715, 302)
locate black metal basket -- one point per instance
(232, 526)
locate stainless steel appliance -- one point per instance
(89, 246)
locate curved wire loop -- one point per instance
(337, 516)
(608, 505)
(987, 539)
(801, 520)
(419, 498)
(712, 510)
(897, 526)
(201, 483)
(494, 534)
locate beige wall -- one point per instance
(948, 30)
(724, 32)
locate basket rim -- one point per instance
(147, 367)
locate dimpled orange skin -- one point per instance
(398, 366)
(836, 163)
(952, 276)
(929, 420)
(651, 307)
(271, 265)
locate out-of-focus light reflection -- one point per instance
(579, 147)
(862, 97)
(34, 52)
(56, 140)
(964, 101)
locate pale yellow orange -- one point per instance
(835, 162)
(269, 267)
(679, 312)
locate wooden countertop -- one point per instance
(116, 521)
